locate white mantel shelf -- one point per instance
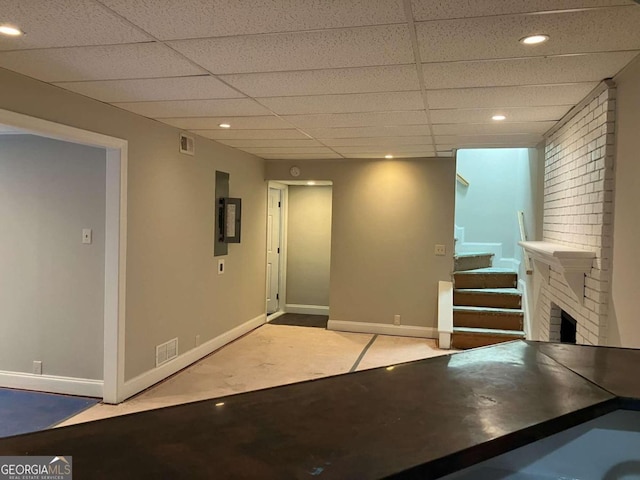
(572, 262)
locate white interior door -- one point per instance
(273, 250)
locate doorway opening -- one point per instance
(109, 386)
(298, 252)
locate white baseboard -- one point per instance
(383, 329)
(306, 309)
(147, 379)
(51, 383)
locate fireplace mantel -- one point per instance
(571, 262)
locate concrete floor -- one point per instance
(269, 356)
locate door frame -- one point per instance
(115, 252)
(282, 282)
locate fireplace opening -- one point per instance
(567, 328)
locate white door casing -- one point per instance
(274, 221)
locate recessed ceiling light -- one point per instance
(498, 118)
(388, 156)
(224, 125)
(534, 39)
(9, 30)
(311, 183)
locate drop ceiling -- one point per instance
(301, 79)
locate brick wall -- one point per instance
(578, 211)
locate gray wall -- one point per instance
(173, 289)
(386, 218)
(624, 320)
(51, 285)
(308, 245)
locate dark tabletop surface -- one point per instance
(421, 419)
(614, 369)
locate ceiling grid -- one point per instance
(332, 79)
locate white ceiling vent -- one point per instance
(187, 144)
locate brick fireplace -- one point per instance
(578, 212)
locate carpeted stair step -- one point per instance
(471, 261)
(485, 278)
(488, 297)
(464, 338)
(488, 318)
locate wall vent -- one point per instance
(187, 144)
(166, 351)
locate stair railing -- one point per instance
(523, 237)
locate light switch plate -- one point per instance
(87, 235)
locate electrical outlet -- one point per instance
(37, 367)
(396, 319)
(198, 340)
(441, 250)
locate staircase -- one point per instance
(487, 307)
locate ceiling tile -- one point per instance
(438, 9)
(211, 123)
(355, 132)
(492, 128)
(514, 140)
(140, 60)
(286, 150)
(222, 133)
(150, 89)
(378, 141)
(514, 114)
(526, 96)
(64, 23)
(212, 18)
(196, 108)
(497, 37)
(353, 47)
(265, 143)
(319, 82)
(299, 156)
(397, 149)
(365, 102)
(591, 67)
(415, 117)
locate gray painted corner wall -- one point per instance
(386, 218)
(51, 285)
(173, 289)
(623, 319)
(308, 245)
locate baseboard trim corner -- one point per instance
(383, 329)
(306, 309)
(147, 379)
(85, 387)
(274, 315)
